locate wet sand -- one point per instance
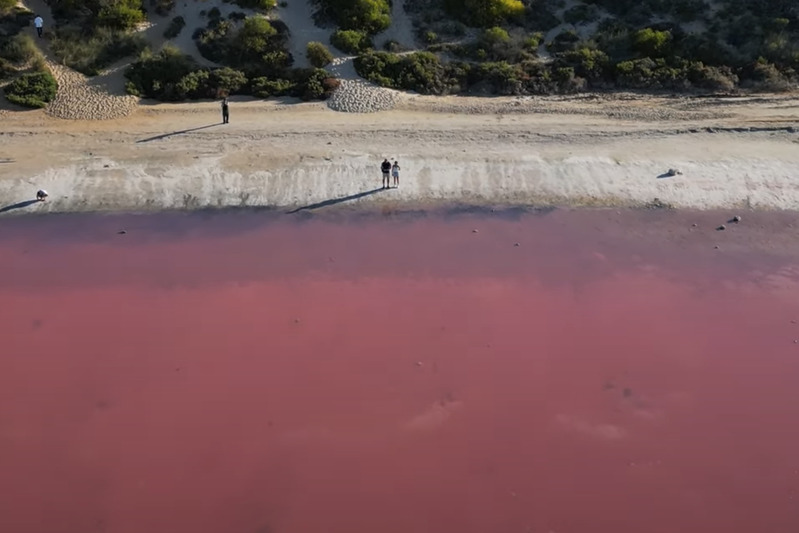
(251, 372)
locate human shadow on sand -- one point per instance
(165, 135)
(334, 201)
(18, 205)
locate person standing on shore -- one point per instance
(225, 111)
(395, 173)
(386, 169)
(38, 22)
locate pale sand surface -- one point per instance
(599, 151)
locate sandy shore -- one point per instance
(597, 151)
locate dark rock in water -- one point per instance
(516, 244)
(736, 219)
(475, 231)
(627, 392)
(694, 225)
(121, 232)
(716, 247)
(721, 228)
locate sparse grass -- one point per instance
(91, 54)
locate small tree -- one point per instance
(318, 54)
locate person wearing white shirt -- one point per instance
(39, 23)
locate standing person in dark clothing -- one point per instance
(225, 111)
(386, 169)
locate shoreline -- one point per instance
(558, 153)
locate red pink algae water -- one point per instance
(560, 372)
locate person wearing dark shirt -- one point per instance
(225, 111)
(386, 169)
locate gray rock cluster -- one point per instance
(359, 96)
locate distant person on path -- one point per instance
(395, 173)
(225, 111)
(39, 23)
(386, 168)
(41, 195)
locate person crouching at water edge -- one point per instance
(385, 168)
(41, 195)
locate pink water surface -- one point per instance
(266, 374)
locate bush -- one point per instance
(264, 87)
(258, 48)
(315, 84)
(7, 5)
(485, 13)
(176, 25)
(264, 5)
(121, 14)
(35, 89)
(318, 54)
(214, 13)
(350, 41)
(90, 55)
(652, 43)
(419, 71)
(366, 16)
(159, 75)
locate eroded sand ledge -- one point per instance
(731, 154)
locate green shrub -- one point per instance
(264, 87)
(318, 54)
(366, 16)
(419, 71)
(652, 43)
(264, 5)
(257, 48)
(159, 75)
(176, 25)
(7, 5)
(90, 55)
(350, 41)
(430, 37)
(121, 14)
(315, 84)
(35, 89)
(485, 13)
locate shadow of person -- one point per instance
(334, 201)
(170, 134)
(18, 205)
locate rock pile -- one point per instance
(359, 96)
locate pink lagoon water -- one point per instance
(259, 373)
